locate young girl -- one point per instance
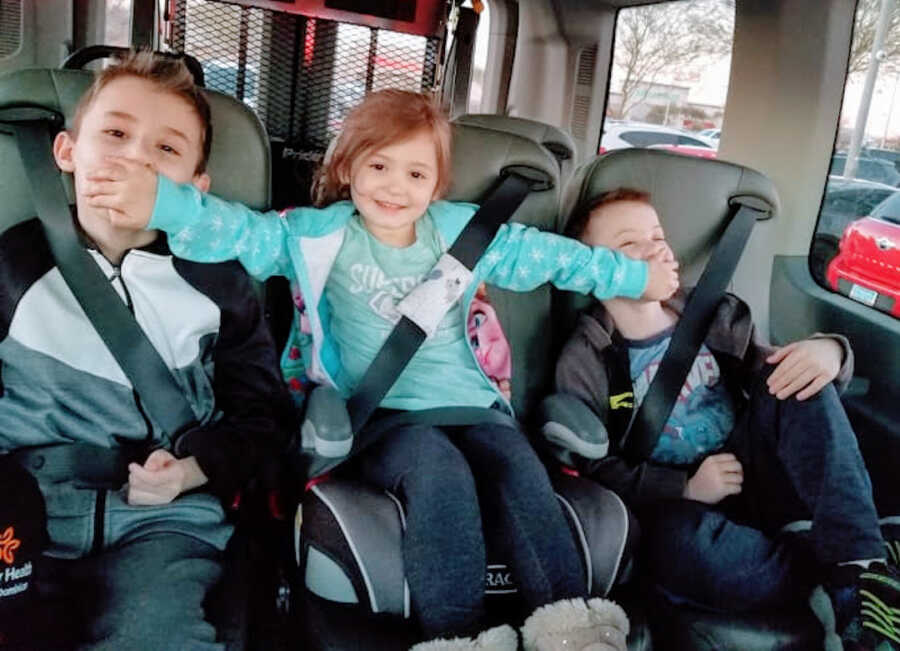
(381, 229)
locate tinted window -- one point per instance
(647, 138)
(889, 207)
(691, 142)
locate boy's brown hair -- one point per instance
(383, 118)
(170, 74)
(576, 226)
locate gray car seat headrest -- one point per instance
(239, 162)
(690, 194)
(557, 141)
(480, 156)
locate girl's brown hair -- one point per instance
(383, 118)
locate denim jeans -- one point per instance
(801, 462)
(446, 479)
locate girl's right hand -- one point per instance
(662, 278)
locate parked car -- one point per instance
(689, 150)
(621, 135)
(867, 266)
(890, 155)
(711, 134)
(849, 199)
(871, 169)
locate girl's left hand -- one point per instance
(126, 188)
(805, 367)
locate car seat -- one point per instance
(349, 535)
(239, 166)
(692, 196)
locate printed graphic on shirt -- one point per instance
(383, 293)
(703, 415)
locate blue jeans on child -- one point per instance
(446, 479)
(801, 462)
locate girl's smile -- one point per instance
(392, 187)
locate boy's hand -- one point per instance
(719, 476)
(805, 366)
(162, 478)
(126, 188)
(662, 278)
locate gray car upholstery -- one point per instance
(557, 141)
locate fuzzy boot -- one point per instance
(576, 625)
(499, 638)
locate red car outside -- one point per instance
(867, 266)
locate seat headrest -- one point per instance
(238, 137)
(690, 194)
(557, 141)
(481, 153)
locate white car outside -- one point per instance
(622, 135)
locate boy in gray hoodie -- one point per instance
(757, 444)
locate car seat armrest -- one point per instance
(327, 428)
(570, 429)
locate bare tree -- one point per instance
(864, 27)
(657, 39)
(118, 22)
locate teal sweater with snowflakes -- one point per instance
(328, 253)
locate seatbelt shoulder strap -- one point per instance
(649, 420)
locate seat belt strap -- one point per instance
(159, 391)
(406, 337)
(649, 420)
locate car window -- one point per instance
(855, 249)
(890, 207)
(671, 66)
